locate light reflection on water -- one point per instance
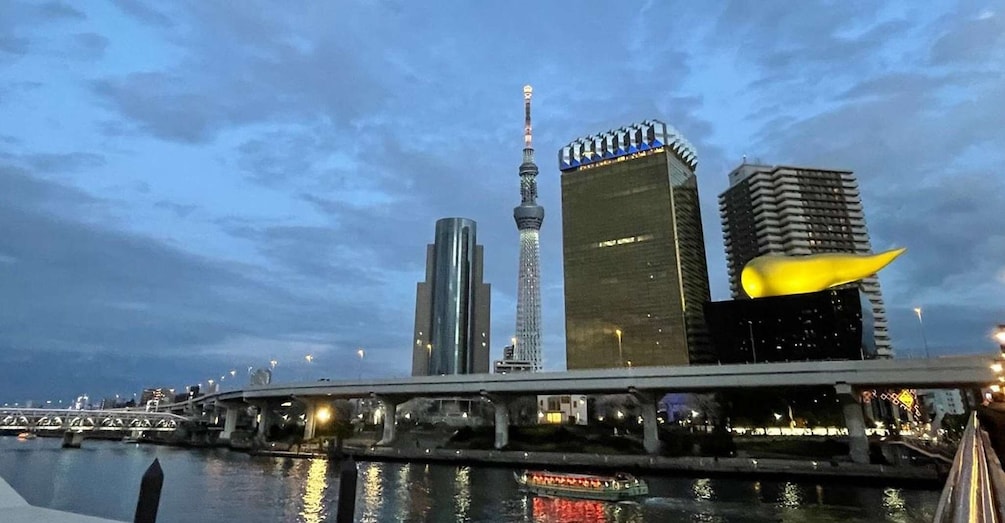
(216, 485)
(314, 491)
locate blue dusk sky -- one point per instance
(192, 187)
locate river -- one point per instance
(215, 485)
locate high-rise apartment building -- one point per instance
(779, 209)
(529, 216)
(635, 272)
(452, 305)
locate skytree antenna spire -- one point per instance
(529, 216)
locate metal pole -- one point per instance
(753, 347)
(347, 492)
(150, 494)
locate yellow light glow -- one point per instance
(773, 275)
(997, 367)
(324, 414)
(1000, 336)
(553, 417)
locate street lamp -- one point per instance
(1000, 336)
(753, 347)
(621, 352)
(309, 358)
(360, 353)
(273, 363)
(924, 340)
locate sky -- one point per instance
(189, 188)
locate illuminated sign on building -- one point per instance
(626, 143)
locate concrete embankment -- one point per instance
(691, 466)
(14, 509)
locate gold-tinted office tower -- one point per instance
(636, 279)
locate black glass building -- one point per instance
(634, 251)
(825, 325)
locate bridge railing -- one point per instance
(975, 488)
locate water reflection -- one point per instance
(223, 486)
(790, 496)
(561, 510)
(702, 489)
(462, 497)
(314, 491)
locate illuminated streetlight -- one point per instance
(924, 340)
(309, 358)
(777, 416)
(273, 363)
(1000, 336)
(360, 353)
(323, 414)
(233, 373)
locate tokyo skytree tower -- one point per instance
(528, 216)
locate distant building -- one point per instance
(153, 395)
(509, 363)
(452, 305)
(825, 325)
(568, 409)
(634, 251)
(261, 377)
(771, 209)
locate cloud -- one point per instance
(63, 162)
(144, 13)
(89, 46)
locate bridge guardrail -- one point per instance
(975, 488)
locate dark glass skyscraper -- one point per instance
(452, 305)
(635, 272)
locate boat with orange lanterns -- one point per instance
(586, 486)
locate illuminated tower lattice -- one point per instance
(528, 216)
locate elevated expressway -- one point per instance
(648, 384)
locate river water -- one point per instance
(102, 479)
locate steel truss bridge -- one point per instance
(64, 420)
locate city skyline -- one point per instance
(187, 189)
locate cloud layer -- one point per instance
(187, 189)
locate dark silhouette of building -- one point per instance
(825, 325)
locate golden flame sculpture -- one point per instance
(773, 275)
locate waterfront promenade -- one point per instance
(794, 469)
(15, 509)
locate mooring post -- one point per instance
(347, 492)
(150, 494)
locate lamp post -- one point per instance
(921, 322)
(753, 347)
(621, 352)
(360, 353)
(1000, 337)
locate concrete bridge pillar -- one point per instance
(310, 418)
(650, 426)
(858, 443)
(229, 423)
(390, 407)
(264, 418)
(500, 406)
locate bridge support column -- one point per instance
(229, 423)
(650, 426)
(264, 413)
(500, 406)
(390, 407)
(310, 419)
(72, 439)
(858, 443)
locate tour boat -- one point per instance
(587, 486)
(26, 436)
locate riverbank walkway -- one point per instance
(14, 509)
(752, 467)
